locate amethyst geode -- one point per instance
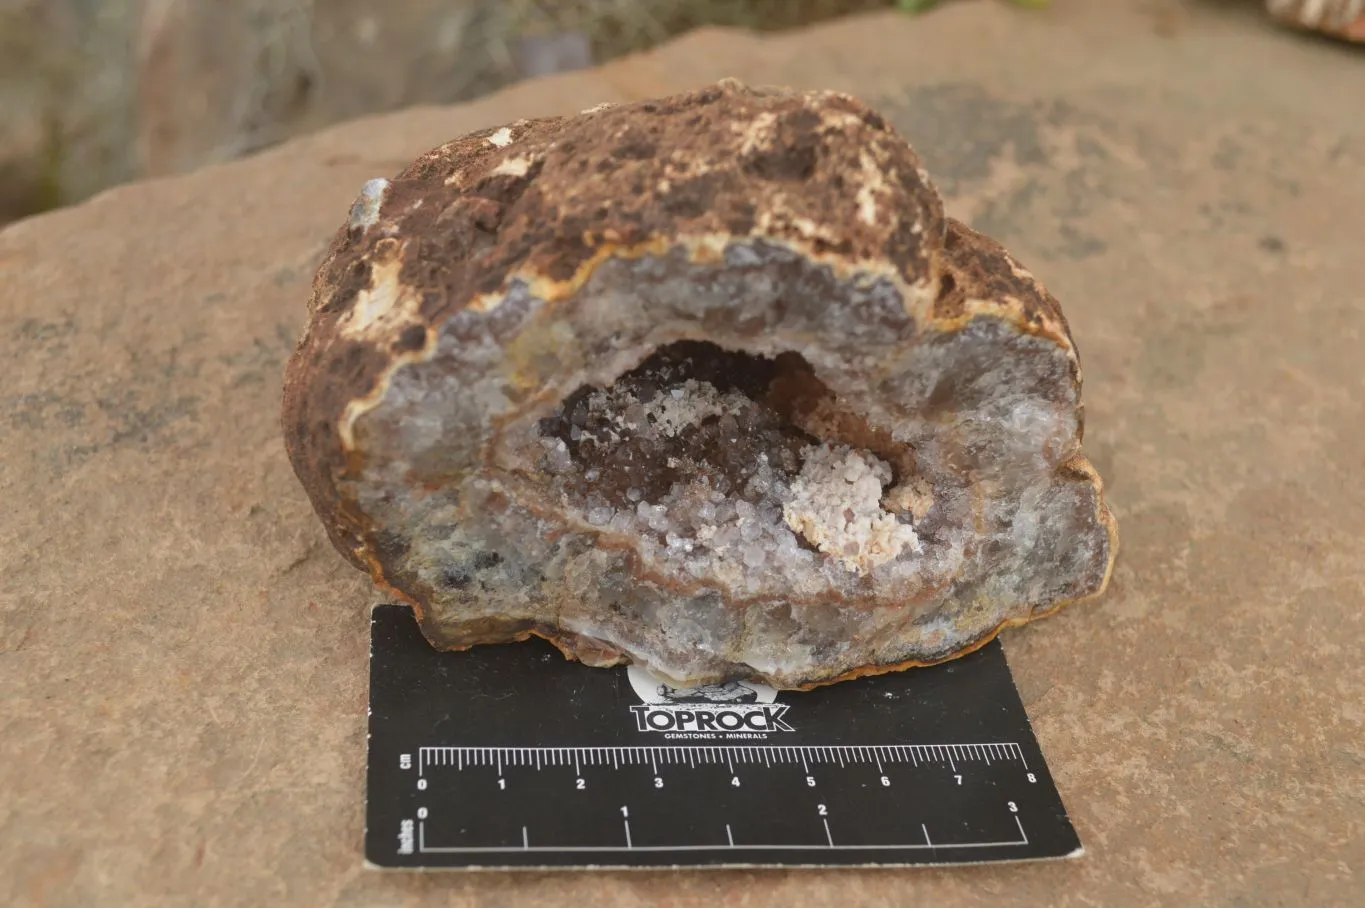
(707, 383)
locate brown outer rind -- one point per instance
(545, 202)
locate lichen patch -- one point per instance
(872, 186)
(514, 167)
(502, 138)
(757, 134)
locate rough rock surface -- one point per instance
(182, 689)
(659, 381)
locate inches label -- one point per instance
(513, 757)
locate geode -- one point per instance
(706, 383)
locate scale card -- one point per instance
(513, 757)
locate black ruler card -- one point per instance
(513, 757)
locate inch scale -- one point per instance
(451, 785)
(494, 766)
(804, 754)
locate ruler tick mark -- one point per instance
(466, 759)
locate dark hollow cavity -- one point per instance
(690, 412)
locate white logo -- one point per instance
(736, 709)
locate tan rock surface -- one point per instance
(182, 655)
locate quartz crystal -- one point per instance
(708, 383)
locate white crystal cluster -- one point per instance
(836, 504)
(808, 514)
